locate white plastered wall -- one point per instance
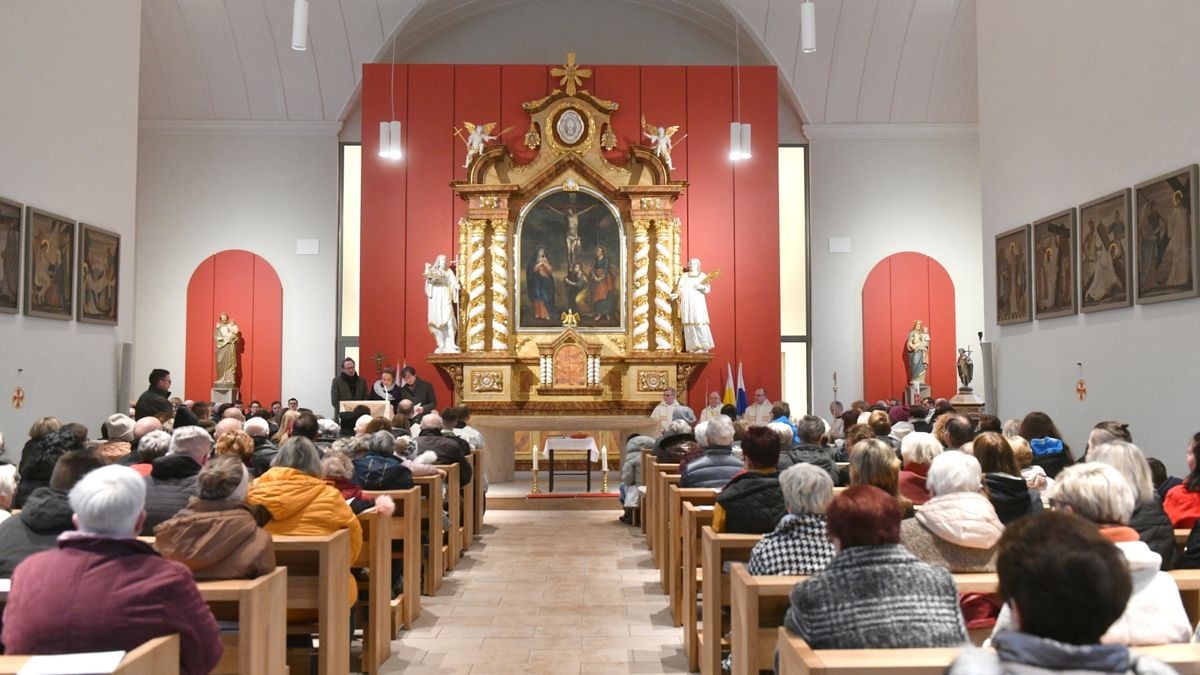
(68, 144)
(887, 195)
(1079, 98)
(260, 190)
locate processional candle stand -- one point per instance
(534, 456)
(604, 469)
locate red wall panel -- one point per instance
(409, 213)
(246, 287)
(900, 289)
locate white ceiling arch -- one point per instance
(878, 61)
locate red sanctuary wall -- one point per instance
(246, 287)
(730, 214)
(900, 289)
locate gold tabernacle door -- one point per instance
(568, 262)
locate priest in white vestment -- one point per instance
(664, 412)
(758, 414)
(713, 410)
(694, 285)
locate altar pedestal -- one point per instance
(499, 435)
(967, 403)
(224, 395)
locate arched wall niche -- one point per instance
(245, 286)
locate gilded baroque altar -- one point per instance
(567, 264)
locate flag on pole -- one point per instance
(729, 395)
(742, 401)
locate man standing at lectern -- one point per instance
(347, 386)
(664, 412)
(419, 392)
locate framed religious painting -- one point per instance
(1012, 277)
(1054, 266)
(10, 256)
(1165, 232)
(570, 250)
(49, 265)
(98, 275)
(1105, 267)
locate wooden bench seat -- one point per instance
(159, 656)
(716, 550)
(677, 497)
(375, 559)
(406, 537)
(260, 608)
(318, 569)
(431, 519)
(695, 517)
(797, 658)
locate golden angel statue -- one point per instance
(478, 135)
(660, 140)
(227, 335)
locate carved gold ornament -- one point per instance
(489, 202)
(571, 75)
(487, 381)
(608, 139)
(570, 185)
(569, 319)
(651, 203)
(653, 380)
(533, 139)
(572, 129)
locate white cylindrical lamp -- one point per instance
(300, 25)
(808, 27)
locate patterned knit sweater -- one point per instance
(799, 545)
(877, 597)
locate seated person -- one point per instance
(1151, 523)
(172, 479)
(1182, 502)
(957, 528)
(1002, 479)
(150, 447)
(917, 451)
(631, 475)
(800, 543)
(716, 465)
(264, 448)
(339, 472)
(216, 534)
(131, 594)
(235, 443)
(41, 453)
(450, 449)
(677, 441)
(1067, 584)
(874, 462)
(1154, 614)
(1162, 479)
(8, 489)
(874, 594)
(301, 503)
(752, 501)
(379, 468)
(47, 513)
(812, 449)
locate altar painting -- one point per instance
(571, 250)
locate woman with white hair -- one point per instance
(799, 544)
(1149, 519)
(1154, 614)
(957, 528)
(917, 449)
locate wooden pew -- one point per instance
(695, 517)
(452, 549)
(468, 504)
(662, 526)
(376, 558)
(1189, 591)
(647, 462)
(159, 656)
(655, 497)
(260, 608)
(677, 497)
(318, 569)
(797, 658)
(431, 515)
(406, 529)
(716, 550)
(480, 496)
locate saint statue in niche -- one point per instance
(917, 347)
(227, 335)
(441, 289)
(571, 249)
(691, 292)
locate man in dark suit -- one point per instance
(347, 386)
(156, 401)
(418, 391)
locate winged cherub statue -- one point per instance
(660, 140)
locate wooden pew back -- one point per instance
(260, 608)
(431, 517)
(406, 536)
(376, 558)
(318, 569)
(695, 517)
(718, 549)
(677, 497)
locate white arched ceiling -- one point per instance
(877, 61)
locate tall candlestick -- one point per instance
(604, 469)
(534, 454)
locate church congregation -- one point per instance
(456, 337)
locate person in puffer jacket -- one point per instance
(717, 464)
(631, 475)
(957, 528)
(1154, 614)
(1049, 450)
(1149, 519)
(216, 535)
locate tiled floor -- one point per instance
(556, 592)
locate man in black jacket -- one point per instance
(156, 401)
(172, 479)
(717, 465)
(811, 449)
(419, 392)
(449, 449)
(46, 513)
(347, 386)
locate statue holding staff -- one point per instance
(441, 288)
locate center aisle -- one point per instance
(554, 592)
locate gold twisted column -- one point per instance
(664, 327)
(476, 288)
(641, 286)
(677, 270)
(499, 283)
